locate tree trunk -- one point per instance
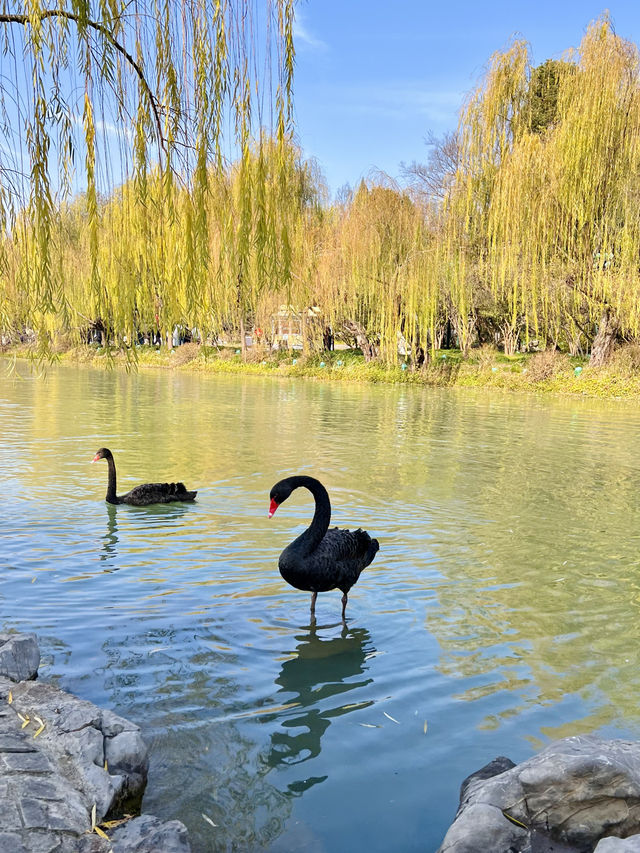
(369, 348)
(303, 330)
(243, 339)
(605, 339)
(464, 326)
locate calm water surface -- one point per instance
(502, 611)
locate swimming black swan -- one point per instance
(149, 493)
(321, 559)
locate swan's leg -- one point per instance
(314, 595)
(344, 605)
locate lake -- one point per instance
(502, 611)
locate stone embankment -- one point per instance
(66, 766)
(578, 795)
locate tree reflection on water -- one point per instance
(321, 671)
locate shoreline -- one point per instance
(536, 373)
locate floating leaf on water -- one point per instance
(393, 719)
(369, 726)
(373, 655)
(425, 726)
(159, 649)
(208, 820)
(33, 579)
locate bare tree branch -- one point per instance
(71, 16)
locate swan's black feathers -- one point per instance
(157, 493)
(322, 558)
(144, 495)
(335, 563)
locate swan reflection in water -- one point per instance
(142, 518)
(316, 680)
(110, 539)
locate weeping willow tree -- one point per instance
(142, 108)
(374, 278)
(544, 211)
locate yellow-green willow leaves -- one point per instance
(544, 213)
(172, 91)
(204, 215)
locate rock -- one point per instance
(148, 834)
(40, 809)
(19, 656)
(483, 827)
(569, 797)
(61, 757)
(619, 845)
(74, 741)
(493, 768)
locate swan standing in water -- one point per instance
(321, 559)
(149, 493)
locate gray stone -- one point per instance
(619, 845)
(482, 827)
(13, 842)
(59, 757)
(113, 725)
(74, 741)
(126, 755)
(26, 762)
(494, 768)
(19, 656)
(148, 834)
(45, 814)
(11, 817)
(574, 793)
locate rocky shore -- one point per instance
(578, 795)
(69, 770)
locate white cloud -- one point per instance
(302, 35)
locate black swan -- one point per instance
(321, 559)
(149, 493)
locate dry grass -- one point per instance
(547, 364)
(485, 355)
(625, 360)
(185, 353)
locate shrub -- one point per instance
(185, 353)
(546, 364)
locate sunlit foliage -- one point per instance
(144, 107)
(524, 225)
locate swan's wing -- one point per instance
(153, 493)
(340, 544)
(347, 552)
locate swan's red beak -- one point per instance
(96, 458)
(273, 506)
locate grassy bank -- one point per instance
(541, 373)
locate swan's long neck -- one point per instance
(111, 487)
(313, 535)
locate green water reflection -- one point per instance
(501, 611)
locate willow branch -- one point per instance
(100, 28)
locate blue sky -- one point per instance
(373, 77)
